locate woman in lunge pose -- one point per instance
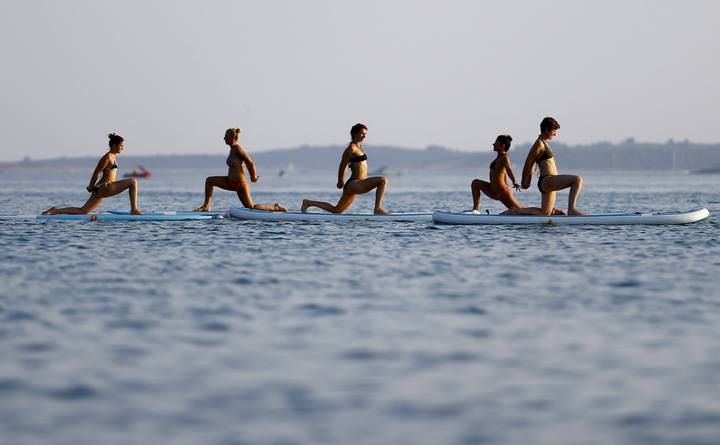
(107, 186)
(550, 181)
(497, 188)
(235, 180)
(359, 183)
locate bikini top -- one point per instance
(492, 164)
(547, 153)
(114, 165)
(361, 158)
(232, 161)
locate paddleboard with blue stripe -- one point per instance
(107, 216)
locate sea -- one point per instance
(229, 332)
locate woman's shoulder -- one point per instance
(354, 148)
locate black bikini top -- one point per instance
(547, 153)
(355, 159)
(492, 164)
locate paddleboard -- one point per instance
(107, 216)
(218, 214)
(265, 215)
(658, 218)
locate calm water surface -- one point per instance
(229, 332)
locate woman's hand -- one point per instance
(90, 188)
(516, 186)
(255, 178)
(340, 184)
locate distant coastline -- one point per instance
(629, 155)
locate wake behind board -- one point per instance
(265, 215)
(659, 218)
(107, 216)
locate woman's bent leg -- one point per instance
(361, 186)
(345, 200)
(478, 186)
(246, 199)
(90, 205)
(213, 181)
(120, 186)
(560, 182)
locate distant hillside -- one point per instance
(599, 156)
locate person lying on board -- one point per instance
(107, 186)
(549, 181)
(235, 180)
(359, 183)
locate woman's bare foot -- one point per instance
(278, 208)
(50, 211)
(304, 206)
(557, 212)
(381, 211)
(202, 209)
(136, 212)
(575, 212)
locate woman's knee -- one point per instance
(475, 184)
(578, 181)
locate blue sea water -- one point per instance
(233, 332)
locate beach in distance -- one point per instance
(235, 332)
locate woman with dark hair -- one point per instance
(497, 188)
(549, 181)
(235, 180)
(359, 183)
(107, 186)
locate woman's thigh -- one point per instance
(114, 188)
(225, 183)
(360, 186)
(558, 182)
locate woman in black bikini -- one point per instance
(107, 186)
(235, 180)
(358, 183)
(497, 188)
(550, 181)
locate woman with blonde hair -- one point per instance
(235, 180)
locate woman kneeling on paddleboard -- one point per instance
(497, 188)
(235, 180)
(354, 156)
(107, 186)
(550, 181)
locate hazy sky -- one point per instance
(171, 76)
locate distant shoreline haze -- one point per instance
(629, 155)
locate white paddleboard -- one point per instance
(107, 216)
(218, 214)
(265, 215)
(599, 219)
